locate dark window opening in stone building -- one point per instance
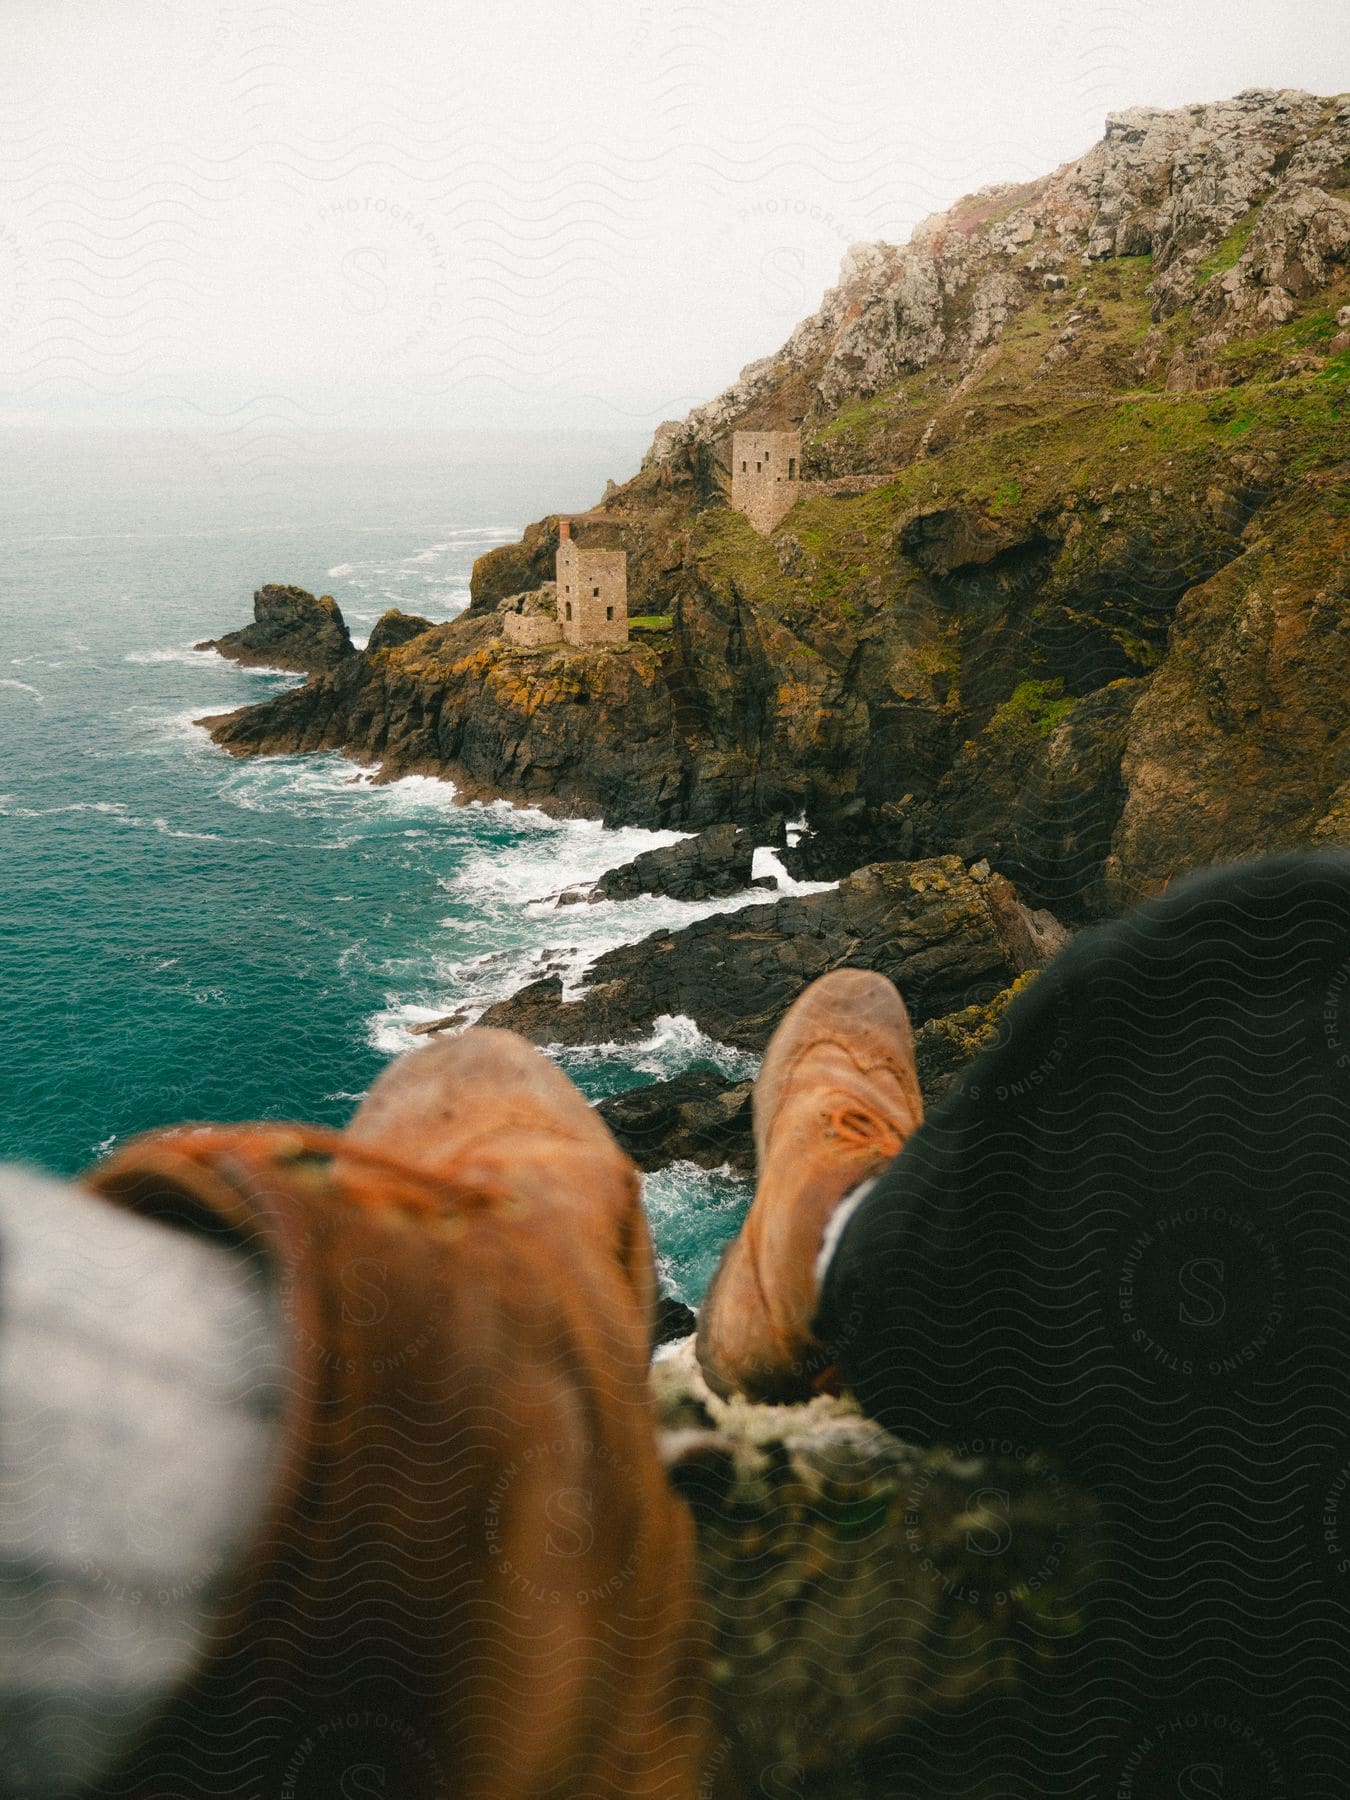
(596, 592)
(609, 615)
(743, 467)
(792, 468)
(569, 609)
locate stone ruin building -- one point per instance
(592, 592)
(765, 475)
(531, 620)
(587, 603)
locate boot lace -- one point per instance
(855, 1128)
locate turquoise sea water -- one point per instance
(186, 936)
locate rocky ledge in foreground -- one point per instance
(291, 629)
(860, 1586)
(947, 937)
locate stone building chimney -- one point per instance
(564, 529)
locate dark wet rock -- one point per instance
(291, 629)
(927, 925)
(453, 1021)
(697, 1116)
(715, 863)
(569, 730)
(674, 1320)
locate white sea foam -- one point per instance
(73, 806)
(176, 653)
(557, 854)
(24, 687)
(163, 827)
(117, 810)
(504, 890)
(387, 1031)
(412, 796)
(184, 728)
(211, 659)
(341, 569)
(674, 1043)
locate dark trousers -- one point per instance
(1126, 1238)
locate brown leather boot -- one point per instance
(472, 1574)
(494, 1112)
(836, 1098)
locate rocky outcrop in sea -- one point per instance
(709, 866)
(291, 629)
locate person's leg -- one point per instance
(837, 1096)
(474, 1578)
(1126, 1235)
(139, 1391)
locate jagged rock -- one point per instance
(395, 628)
(945, 1048)
(709, 866)
(291, 629)
(674, 1320)
(1041, 797)
(447, 1022)
(564, 729)
(949, 1576)
(927, 925)
(1296, 240)
(1170, 183)
(697, 1116)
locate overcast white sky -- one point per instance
(521, 212)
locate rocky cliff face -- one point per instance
(1066, 587)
